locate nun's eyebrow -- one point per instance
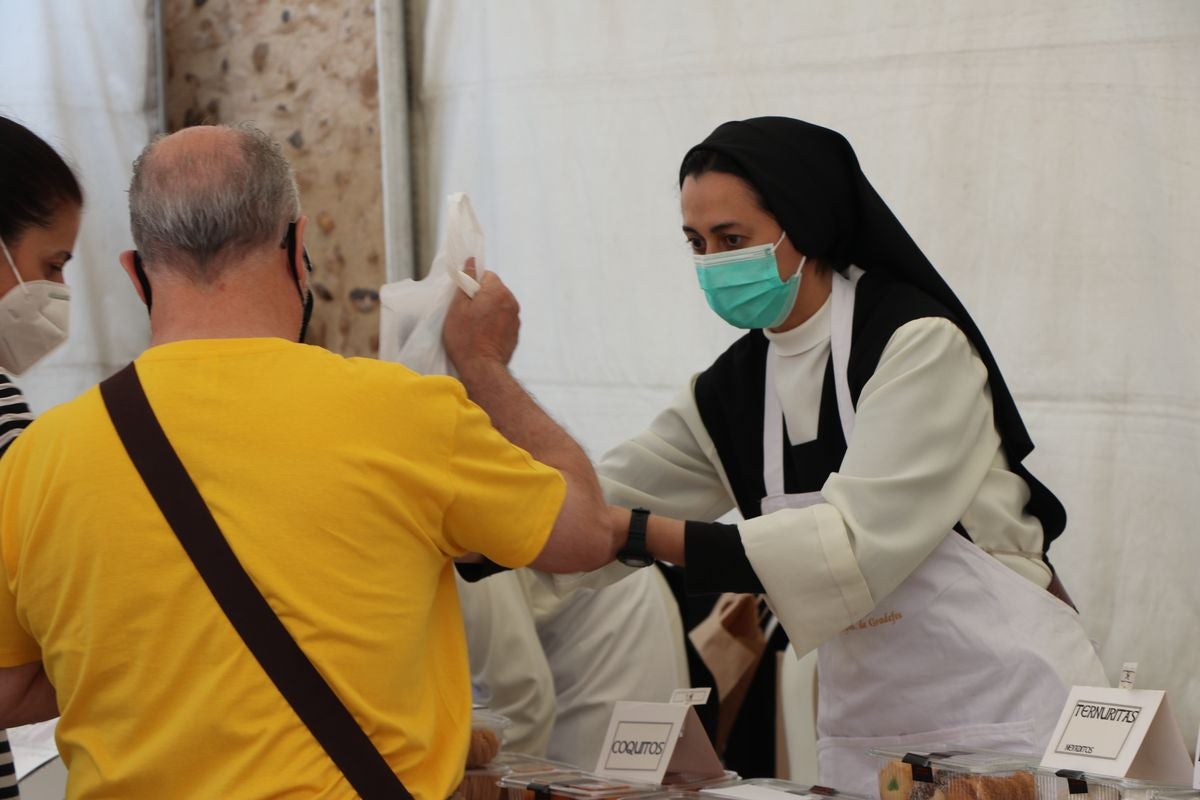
(718, 228)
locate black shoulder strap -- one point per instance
(313, 700)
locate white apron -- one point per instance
(965, 651)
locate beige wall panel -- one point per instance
(306, 73)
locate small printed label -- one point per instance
(1097, 729)
(1128, 675)
(691, 697)
(639, 746)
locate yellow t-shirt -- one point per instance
(345, 486)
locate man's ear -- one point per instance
(128, 259)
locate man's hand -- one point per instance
(482, 330)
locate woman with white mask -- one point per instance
(40, 206)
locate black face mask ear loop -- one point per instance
(139, 269)
(306, 298)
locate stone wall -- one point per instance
(306, 73)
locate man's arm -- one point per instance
(26, 695)
(480, 336)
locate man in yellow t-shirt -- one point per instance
(346, 487)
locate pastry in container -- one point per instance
(487, 737)
(1066, 784)
(954, 773)
(482, 783)
(765, 788)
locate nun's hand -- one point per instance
(482, 331)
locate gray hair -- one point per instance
(199, 209)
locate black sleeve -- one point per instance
(473, 573)
(716, 559)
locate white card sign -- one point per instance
(1122, 733)
(648, 741)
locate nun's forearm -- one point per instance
(712, 552)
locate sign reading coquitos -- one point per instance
(643, 747)
(639, 745)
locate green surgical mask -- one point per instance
(744, 288)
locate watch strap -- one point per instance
(635, 543)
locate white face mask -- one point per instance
(33, 320)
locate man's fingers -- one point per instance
(469, 267)
(489, 279)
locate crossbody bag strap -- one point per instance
(313, 700)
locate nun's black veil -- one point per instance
(811, 182)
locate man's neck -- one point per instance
(178, 333)
(242, 310)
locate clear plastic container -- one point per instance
(571, 785)
(519, 764)
(954, 773)
(1070, 785)
(487, 737)
(765, 787)
(483, 719)
(690, 782)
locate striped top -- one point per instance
(8, 776)
(15, 415)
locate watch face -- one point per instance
(637, 561)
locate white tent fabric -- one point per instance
(77, 73)
(1042, 154)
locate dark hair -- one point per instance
(701, 160)
(35, 182)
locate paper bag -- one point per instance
(730, 642)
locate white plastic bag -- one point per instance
(412, 313)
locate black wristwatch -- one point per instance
(634, 553)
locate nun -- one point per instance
(864, 431)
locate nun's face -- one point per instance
(720, 213)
